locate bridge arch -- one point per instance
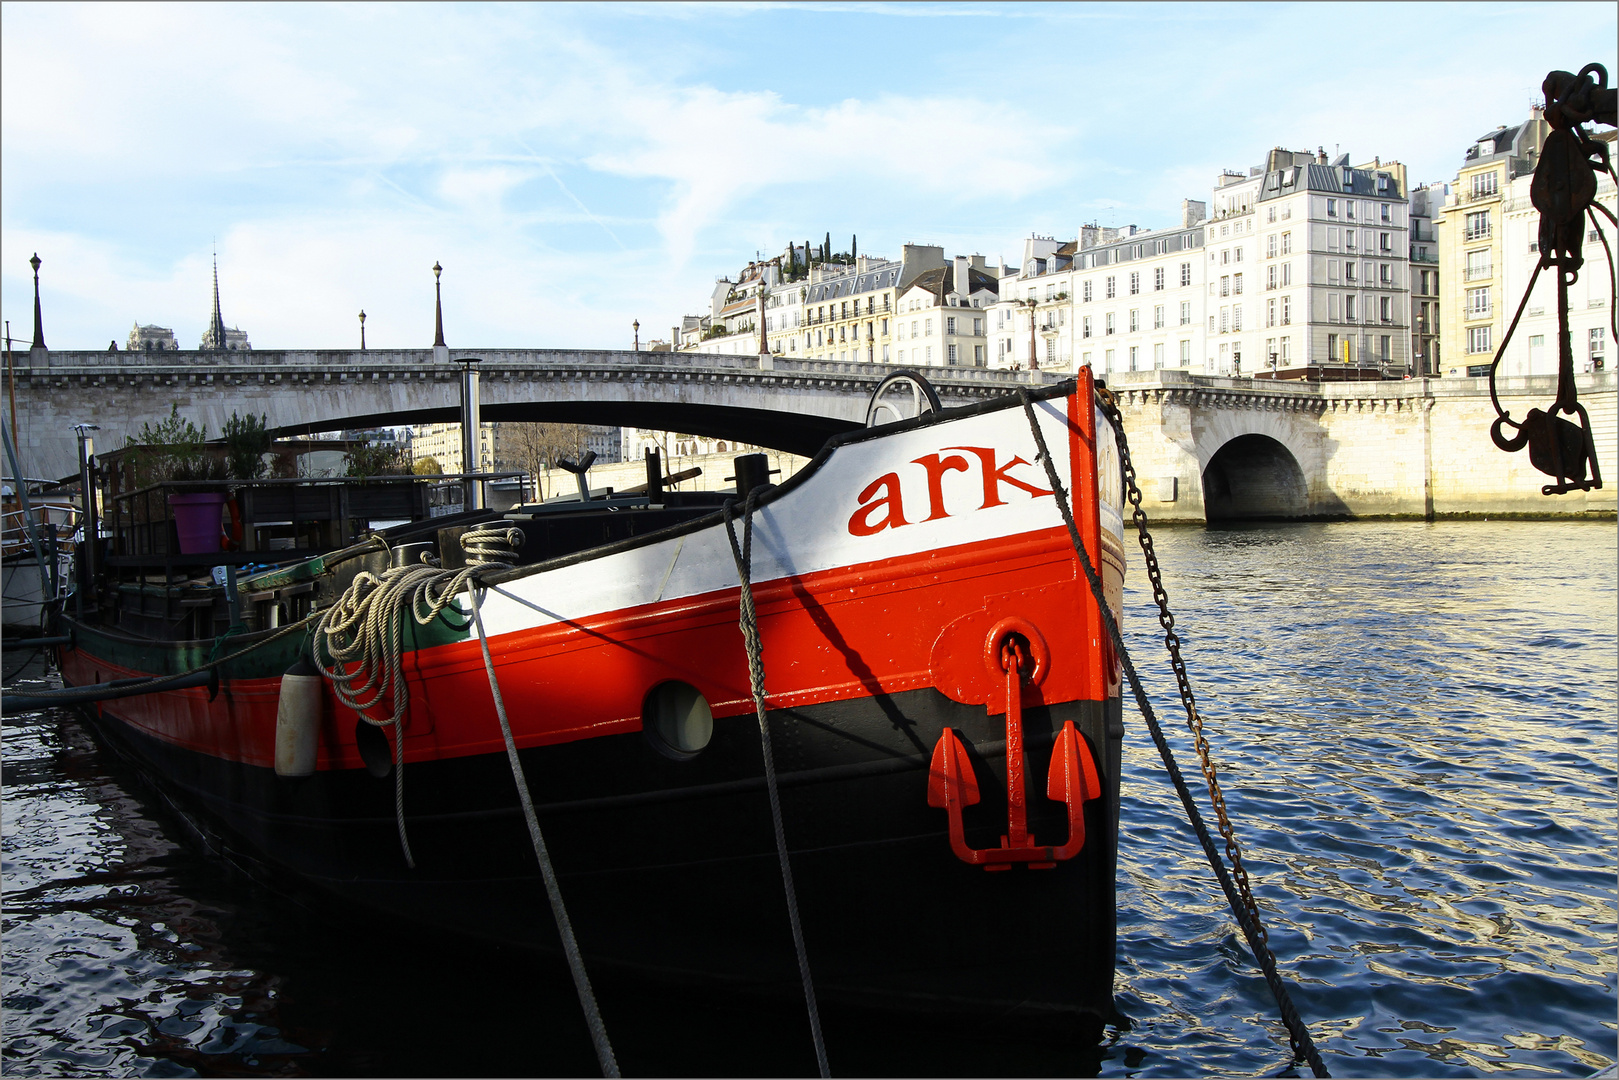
(1254, 477)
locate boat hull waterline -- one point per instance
(885, 576)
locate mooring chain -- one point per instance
(1298, 1034)
(1172, 643)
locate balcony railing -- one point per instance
(1477, 273)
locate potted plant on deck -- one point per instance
(175, 451)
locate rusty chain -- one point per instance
(1172, 644)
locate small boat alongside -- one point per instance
(941, 697)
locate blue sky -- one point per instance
(578, 167)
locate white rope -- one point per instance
(358, 642)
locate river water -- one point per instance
(1415, 726)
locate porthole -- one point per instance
(677, 720)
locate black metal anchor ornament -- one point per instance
(1564, 191)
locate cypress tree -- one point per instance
(854, 246)
(826, 248)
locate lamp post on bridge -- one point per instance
(470, 459)
(362, 329)
(637, 326)
(39, 325)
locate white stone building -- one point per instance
(1329, 256)
(1533, 348)
(942, 316)
(1114, 299)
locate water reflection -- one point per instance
(1415, 730)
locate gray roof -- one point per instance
(1338, 180)
(852, 284)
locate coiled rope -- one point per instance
(358, 641)
(756, 681)
(1247, 916)
(362, 635)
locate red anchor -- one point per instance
(1072, 779)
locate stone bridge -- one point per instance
(1204, 448)
(793, 405)
(1212, 449)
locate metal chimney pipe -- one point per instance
(469, 432)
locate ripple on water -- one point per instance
(1414, 725)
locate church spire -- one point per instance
(214, 338)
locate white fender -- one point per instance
(297, 719)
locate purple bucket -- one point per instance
(197, 520)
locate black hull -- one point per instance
(669, 867)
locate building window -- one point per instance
(1225, 320)
(1478, 339)
(927, 327)
(1158, 355)
(1332, 347)
(1384, 244)
(1107, 360)
(1332, 207)
(1383, 345)
(1386, 214)
(1350, 276)
(978, 328)
(950, 325)
(1158, 317)
(1478, 265)
(1349, 239)
(1270, 312)
(1186, 273)
(1135, 319)
(950, 354)
(1135, 353)
(1236, 318)
(1085, 326)
(1186, 353)
(1484, 184)
(1225, 284)
(1383, 303)
(1287, 350)
(1270, 246)
(885, 354)
(1236, 284)
(1270, 277)
(1599, 348)
(1287, 243)
(978, 356)
(929, 355)
(1349, 307)
(1385, 275)
(1109, 326)
(1186, 313)
(1135, 283)
(1087, 292)
(1478, 303)
(1158, 278)
(1477, 226)
(1110, 288)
